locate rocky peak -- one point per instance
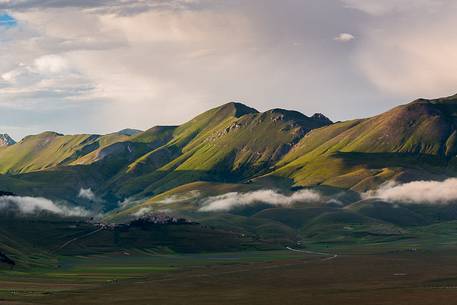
(322, 118)
(237, 109)
(6, 140)
(129, 132)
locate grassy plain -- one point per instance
(272, 277)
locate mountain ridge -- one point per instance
(234, 143)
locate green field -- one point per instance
(81, 274)
(272, 277)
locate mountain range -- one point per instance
(235, 146)
(244, 179)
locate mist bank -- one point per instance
(36, 205)
(416, 192)
(233, 200)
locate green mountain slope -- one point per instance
(50, 149)
(412, 141)
(226, 144)
(236, 144)
(230, 143)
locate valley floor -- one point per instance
(279, 277)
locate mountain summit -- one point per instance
(6, 140)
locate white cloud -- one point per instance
(419, 192)
(34, 205)
(10, 76)
(51, 64)
(87, 194)
(344, 37)
(232, 200)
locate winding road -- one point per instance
(78, 238)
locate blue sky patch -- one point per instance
(7, 20)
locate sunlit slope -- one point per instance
(227, 144)
(50, 149)
(410, 141)
(234, 143)
(230, 143)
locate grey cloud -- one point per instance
(378, 8)
(105, 6)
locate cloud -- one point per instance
(403, 54)
(87, 194)
(378, 8)
(122, 59)
(44, 66)
(51, 64)
(418, 192)
(97, 66)
(111, 6)
(34, 205)
(47, 75)
(344, 37)
(232, 200)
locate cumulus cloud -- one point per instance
(87, 194)
(51, 64)
(417, 192)
(344, 37)
(34, 205)
(232, 200)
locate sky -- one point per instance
(98, 66)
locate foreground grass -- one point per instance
(84, 273)
(405, 277)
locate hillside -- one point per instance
(416, 140)
(51, 149)
(231, 148)
(230, 143)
